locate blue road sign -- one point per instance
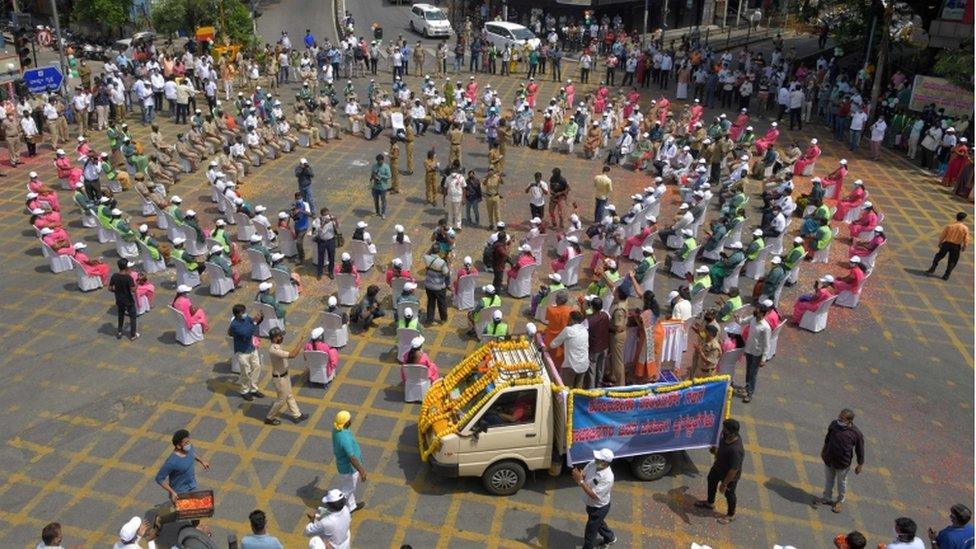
(44, 79)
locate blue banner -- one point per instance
(647, 419)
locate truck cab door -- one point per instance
(513, 425)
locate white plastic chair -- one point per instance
(464, 296)
(193, 247)
(245, 228)
(128, 250)
(270, 319)
(161, 222)
(220, 283)
(774, 340)
(286, 244)
(648, 283)
(735, 234)
(184, 335)
(698, 302)
(864, 235)
(808, 170)
(285, 290)
(149, 264)
(230, 209)
(362, 259)
(634, 226)
(522, 285)
(404, 252)
(728, 360)
(757, 268)
(184, 275)
(88, 220)
(148, 208)
(732, 281)
(404, 337)
(823, 256)
(417, 383)
(86, 282)
(336, 333)
(484, 317)
(106, 234)
(260, 270)
(536, 243)
(396, 287)
(611, 294)
(265, 233)
(562, 244)
(348, 291)
(776, 244)
(570, 271)
(681, 268)
(779, 291)
(849, 299)
(174, 227)
(674, 241)
(816, 321)
(404, 305)
(637, 252)
(58, 263)
(868, 260)
(713, 255)
(318, 362)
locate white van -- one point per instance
(429, 21)
(503, 33)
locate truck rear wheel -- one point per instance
(651, 466)
(504, 478)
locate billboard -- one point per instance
(930, 89)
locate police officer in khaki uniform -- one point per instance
(491, 188)
(285, 398)
(304, 125)
(455, 136)
(502, 141)
(618, 336)
(409, 135)
(430, 176)
(495, 159)
(14, 137)
(394, 166)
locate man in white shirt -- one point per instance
(666, 64)
(757, 345)
(783, 100)
(81, 104)
(575, 341)
(132, 532)
(905, 529)
(596, 481)
(796, 107)
(858, 118)
(454, 190)
(680, 307)
(331, 523)
(538, 190)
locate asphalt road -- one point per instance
(293, 17)
(395, 20)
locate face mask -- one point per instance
(187, 447)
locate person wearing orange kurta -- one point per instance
(557, 318)
(650, 341)
(191, 315)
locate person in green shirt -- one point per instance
(733, 303)
(174, 207)
(149, 242)
(795, 255)
(756, 246)
(380, 184)
(773, 278)
(409, 320)
(348, 459)
(121, 225)
(701, 281)
(688, 245)
(821, 238)
(723, 268)
(220, 235)
(179, 253)
(488, 299)
(266, 296)
(496, 327)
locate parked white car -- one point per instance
(429, 21)
(503, 33)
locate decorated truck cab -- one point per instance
(504, 411)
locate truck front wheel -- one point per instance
(504, 478)
(651, 466)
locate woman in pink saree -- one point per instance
(317, 342)
(851, 201)
(767, 140)
(92, 267)
(191, 315)
(66, 170)
(809, 157)
(836, 179)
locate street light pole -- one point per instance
(57, 32)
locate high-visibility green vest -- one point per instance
(497, 329)
(413, 323)
(687, 246)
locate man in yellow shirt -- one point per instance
(952, 241)
(602, 187)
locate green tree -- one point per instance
(103, 13)
(957, 65)
(169, 16)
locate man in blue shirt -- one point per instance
(959, 534)
(348, 458)
(178, 473)
(300, 211)
(243, 329)
(309, 39)
(260, 539)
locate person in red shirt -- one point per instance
(851, 282)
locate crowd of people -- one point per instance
(614, 331)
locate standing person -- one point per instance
(304, 175)
(472, 197)
(858, 119)
(259, 537)
(124, 287)
(602, 187)
(953, 240)
(491, 188)
(574, 340)
(300, 212)
(598, 330)
(243, 329)
(394, 155)
(380, 185)
(537, 190)
(436, 278)
(959, 534)
(454, 186)
(596, 481)
(757, 345)
(558, 194)
(842, 442)
(348, 459)
(284, 397)
(430, 176)
(178, 473)
(618, 337)
(324, 230)
(877, 136)
(726, 470)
